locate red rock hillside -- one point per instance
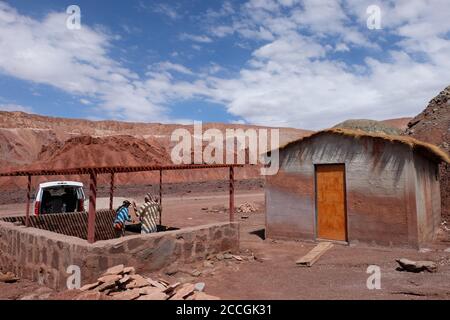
(433, 125)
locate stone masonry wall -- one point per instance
(44, 256)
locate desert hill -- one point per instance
(433, 125)
(29, 141)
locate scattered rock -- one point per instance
(196, 273)
(137, 281)
(149, 290)
(128, 295)
(172, 287)
(220, 256)
(119, 269)
(154, 296)
(184, 291)
(157, 284)
(238, 258)
(109, 278)
(199, 286)
(417, 266)
(129, 270)
(42, 293)
(91, 295)
(246, 208)
(123, 284)
(8, 277)
(228, 256)
(208, 264)
(125, 279)
(424, 250)
(202, 296)
(90, 286)
(105, 286)
(172, 269)
(164, 282)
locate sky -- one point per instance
(294, 63)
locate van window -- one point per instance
(61, 199)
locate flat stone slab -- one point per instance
(183, 292)
(110, 278)
(90, 286)
(154, 296)
(137, 281)
(417, 266)
(119, 269)
(201, 296)
(127, 295)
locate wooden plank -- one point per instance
(331, 216)
(312, 256)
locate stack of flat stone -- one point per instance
(122, 283)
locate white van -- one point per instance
(59, 197)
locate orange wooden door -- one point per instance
(330, 199)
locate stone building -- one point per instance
(353, 186)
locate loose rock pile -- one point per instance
(122, 283)
(8, 277)
(246, 208)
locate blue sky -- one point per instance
(299, 63)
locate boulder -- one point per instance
(417, 266)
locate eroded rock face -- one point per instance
(433, 125)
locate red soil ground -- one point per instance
(339, 274)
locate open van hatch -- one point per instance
(59, 197)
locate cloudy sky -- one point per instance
(299, 63)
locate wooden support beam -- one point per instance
(231, 194)
(27, 219)
(160, 197)
(92, 207)
(111, 193)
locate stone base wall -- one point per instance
(44, 256)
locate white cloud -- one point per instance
(169, 66)
(196, 38)
(15, 107)
(161, 8)
(341, 47)
(78, 62)
(292, 78)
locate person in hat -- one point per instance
(122, 216)
(148, 213)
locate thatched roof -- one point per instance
(429, 150)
